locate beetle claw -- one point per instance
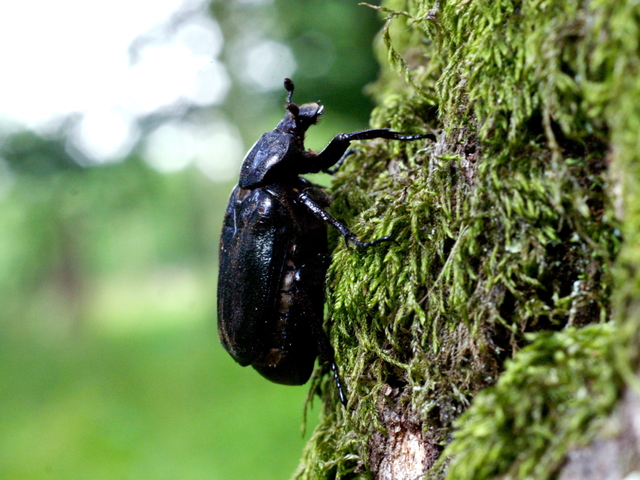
(353, 239)
(342, 394)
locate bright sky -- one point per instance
(75, 57)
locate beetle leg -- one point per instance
(339, 163)
(326, 354)
(342, 391)
(384, 133)
(324, 350)
(348, 235)
(333, 153)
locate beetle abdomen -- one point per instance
(291, 349)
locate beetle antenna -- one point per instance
(288, 86)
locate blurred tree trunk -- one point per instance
(494, 337)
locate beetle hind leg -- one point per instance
(342, 391)
(327, 355)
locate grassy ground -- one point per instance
(164, 404)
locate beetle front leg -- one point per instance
(335, 151)
(348, 235)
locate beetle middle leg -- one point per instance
(323, 215)
(339, 163)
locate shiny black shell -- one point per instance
(273, 250)
(269, 151)
(273, 261)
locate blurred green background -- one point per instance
(110, 213)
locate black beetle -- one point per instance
(273, 250)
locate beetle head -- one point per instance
(300, 118)
(305, 115)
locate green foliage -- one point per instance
(331, 41)
(504, 227)
(28, 153)
(66, 230)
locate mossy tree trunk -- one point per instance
(505, 313)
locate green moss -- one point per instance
(555, 390)
(509, 224)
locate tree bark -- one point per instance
(497, 333)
